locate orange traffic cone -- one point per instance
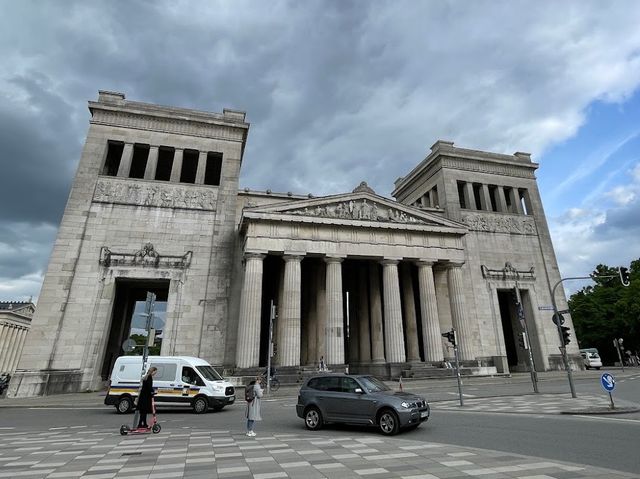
(400, 383)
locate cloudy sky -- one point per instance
(337, 92)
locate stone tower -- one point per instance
(152, 207)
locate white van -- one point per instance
(180, 380)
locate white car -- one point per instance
(591, 359)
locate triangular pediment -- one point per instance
(353, 207)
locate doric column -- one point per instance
(15, 355)
(363, 315)
(202, 166)
(4, 334)
(312, 318)
(393, 337)
(4, 330)
(335, 326)
(485, 198)
(410, 323)
(8, 349)
(501, 200)
(469, 197)
(176, 166)
(152, 164)
(458, 313)
(514, 197)
(375, 310)
(248, 347)
(321, 302)
(431, 334)
(289, 318)
(125, 162)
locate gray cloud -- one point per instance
(336, 91)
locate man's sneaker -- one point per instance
(251, 434)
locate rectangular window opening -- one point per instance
(114, 155)
(435, 201)
(463, 203)
(493, 191)
(507, 197)
(189, 166)
(139, 160)
(165, 163)
(214, 169)
(524, 201)
(477, 192)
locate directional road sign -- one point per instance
(608, 382)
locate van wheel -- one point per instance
(388, 422)
(124, 405)
(199, 405)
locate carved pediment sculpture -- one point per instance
(357, 209)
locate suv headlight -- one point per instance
(406, 404)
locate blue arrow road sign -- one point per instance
(608, 382)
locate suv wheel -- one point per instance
(199, 405)
(313, 418)
(388, 422)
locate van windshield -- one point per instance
(209, 373)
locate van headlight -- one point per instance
(217, 387)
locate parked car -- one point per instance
(591, 358)
(359, 399)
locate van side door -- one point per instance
(191, 382)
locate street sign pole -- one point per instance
(616, 344)
(455, 353)
(608, 383)
(272, 317)
(148, 313)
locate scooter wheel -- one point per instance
(156, 428)
(124, 430)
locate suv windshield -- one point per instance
(372, 384)
(209, 373)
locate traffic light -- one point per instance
(566, 339)
(451, 336)
(624, 275)
(522, 341)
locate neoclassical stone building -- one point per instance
(15, 322)
(362, 280)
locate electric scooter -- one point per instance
(154, 428)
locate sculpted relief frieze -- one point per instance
(163, 195)
(358, 210)
(500, 223)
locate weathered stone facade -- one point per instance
(358, 279)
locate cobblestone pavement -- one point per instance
(195, 453)
(533, 404)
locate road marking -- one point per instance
(7, 428)
(464, 395)
(67, 408)
(599, 418)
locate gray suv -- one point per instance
(359, 399)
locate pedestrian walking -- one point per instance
(253, 395)
(144, 400)
(321, 364)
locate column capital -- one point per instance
(254, 255)
(333, 259)
(390, 261)
(425, 262)
(453, 264)
(293, 256)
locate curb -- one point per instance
(599, 411)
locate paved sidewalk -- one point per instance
(192, 453)
(539, 404)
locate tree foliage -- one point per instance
(608, 310)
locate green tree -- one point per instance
(608, 310)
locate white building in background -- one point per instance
(15, 322)
(363, 280)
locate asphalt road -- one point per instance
(603, 441)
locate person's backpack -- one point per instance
(250, 392)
